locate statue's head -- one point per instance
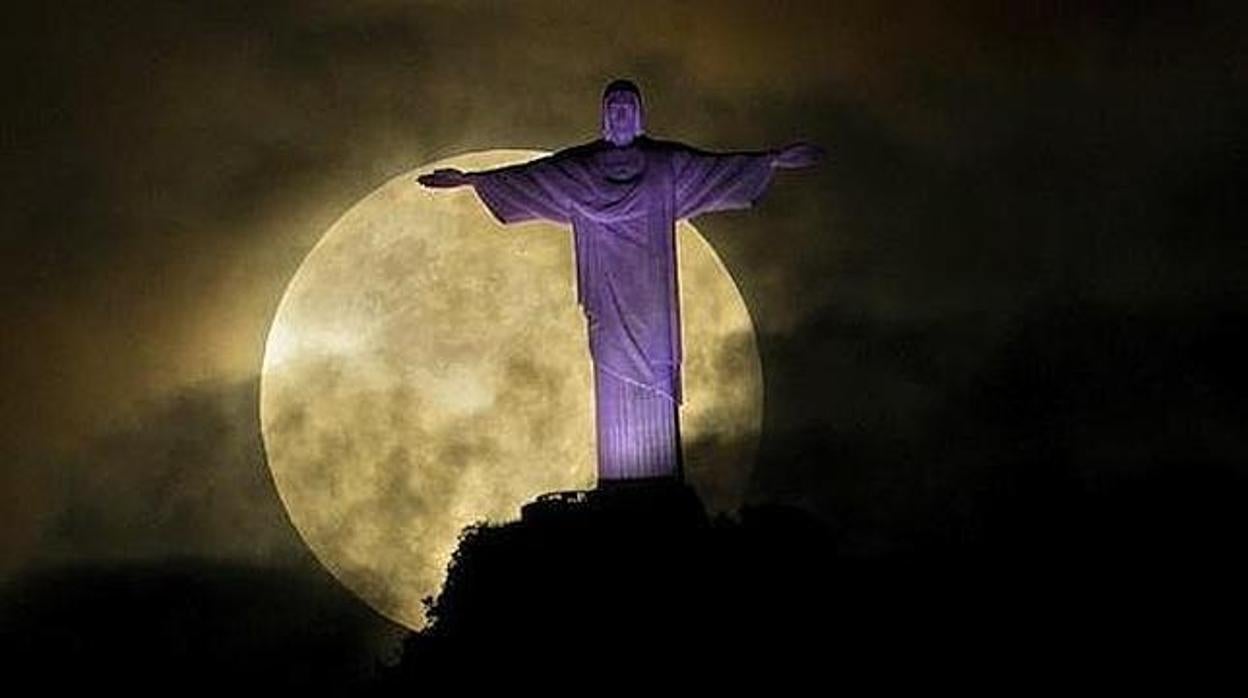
(621, 112)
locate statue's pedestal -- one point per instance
(645, 503)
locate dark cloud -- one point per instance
(147, 626)
(1079, 405)
(187, 478)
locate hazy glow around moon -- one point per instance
(428, 368)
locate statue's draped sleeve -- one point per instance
(542, 189)
(706, 182)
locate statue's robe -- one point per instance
(623, 203)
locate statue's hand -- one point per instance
(799, 155)
(444, 178)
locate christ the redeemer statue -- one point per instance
(622, 195)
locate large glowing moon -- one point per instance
(429, 368)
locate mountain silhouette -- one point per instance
(641, 578)
(638, 581)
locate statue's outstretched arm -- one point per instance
(798, 155)
(445, 178)
(538, 189)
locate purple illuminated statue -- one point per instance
(622, 195)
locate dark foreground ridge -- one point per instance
(627, 573)
(640, 577)
(638, 581)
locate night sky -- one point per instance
(1014, 288)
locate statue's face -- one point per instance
(621, 117)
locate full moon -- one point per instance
(428, 369)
